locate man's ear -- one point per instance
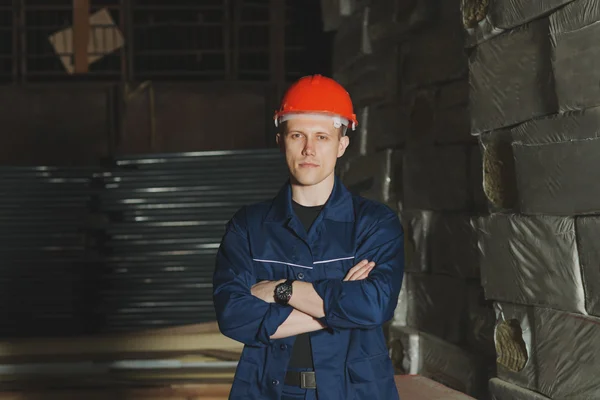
(279, 141)
(344, 142)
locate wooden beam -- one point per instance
(81, 35)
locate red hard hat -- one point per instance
(317, 94)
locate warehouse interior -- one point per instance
(133, 130)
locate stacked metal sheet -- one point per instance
(535, 109)
(405, 68)
(166, 217)
(45, 269)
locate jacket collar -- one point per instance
(339, 206)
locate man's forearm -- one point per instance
(307, 300)
(297, 323)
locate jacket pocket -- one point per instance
(371, 369)
(247, 372)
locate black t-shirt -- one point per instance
(302, 350)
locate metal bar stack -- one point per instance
(165, 216)
(406, 69)
(44, 251)
(534, 107)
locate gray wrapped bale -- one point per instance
(377, 176)
(511, 78)
(484, 19)
(417, 226)
(499, 176)
(513, 338)
(441, 243)
(588, 232)
(559, 348)
(351, 42)
(501, 390)
(440, 178)
(384, 125)
(374, 78)
(575, 31)
(435, 304)
(481, 321)
(392, 20)
(557, 164)
(436, 52)
(453, 246)
(418, 353)
(531, 260)
(439, 114)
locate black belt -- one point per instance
(305, 379)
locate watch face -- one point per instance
(283, 292)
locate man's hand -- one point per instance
(265, 290)
(360, 271)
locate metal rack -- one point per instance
(46, 47)
(139, 40)
(8, 66)
(184, 39)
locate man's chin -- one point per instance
(304, 180)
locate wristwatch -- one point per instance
(283, 292)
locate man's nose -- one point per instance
(309, 147)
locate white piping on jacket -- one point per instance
(303, 266)
(335, 259)
(281, 262)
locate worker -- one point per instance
(306, 280)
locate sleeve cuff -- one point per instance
(329, 291)
(275, 316)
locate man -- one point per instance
(307, 280)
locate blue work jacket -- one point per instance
(266, 241)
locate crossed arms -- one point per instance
(364, 299)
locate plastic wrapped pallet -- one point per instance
(351, 42)
(511, 78)
(453, 246)
(501, 390)
(588, 232)
(380, 126)
(393, 19)
(557, 163)
(377, 176)
(334, 11)
(417, 226)
(417, 353)
(484, 19)
(549, 351)
(359, 139)
(436, 53)
(453, 119)
(440, 114)
(439, 178)
(374, 78)
(440, 243)
(481, 321)
(567, 346)
(531, 260)
(479, 201)
(499, 176)
(513, 339)
(331, 15)
(575, 30)
(435, 304)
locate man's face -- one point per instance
(311, 147)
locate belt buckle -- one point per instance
(308, 380)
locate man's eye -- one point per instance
(322, 137)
